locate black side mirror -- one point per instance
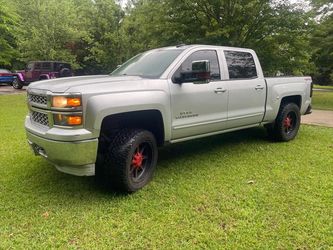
(200, 73)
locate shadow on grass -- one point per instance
(205, 145)
(56, 185)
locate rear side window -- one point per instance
(241, 65)
(46, 66)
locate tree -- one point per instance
(277, 30)
(107, 46)
(8, 22)
(50, 31)
(322, 42)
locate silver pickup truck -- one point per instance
(111, 125)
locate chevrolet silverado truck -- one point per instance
(111, 125)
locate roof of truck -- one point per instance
(189, 46)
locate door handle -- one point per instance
(220, 90)
(259, 87)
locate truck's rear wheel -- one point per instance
(287, 123)
(130, 160)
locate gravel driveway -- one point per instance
(6, 90)
(319, 117)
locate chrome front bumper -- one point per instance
(75, 157)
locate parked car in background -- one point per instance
(42, 70)
(7, 77)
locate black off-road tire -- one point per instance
(116, 168)
(17, 84)
(287, 123)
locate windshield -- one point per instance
(150, 64)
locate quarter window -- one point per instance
(209, 55)
(241, 65)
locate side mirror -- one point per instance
(200, 73)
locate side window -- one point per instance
(37, 66)
(209, 55)
(46, 66)
(241, 65)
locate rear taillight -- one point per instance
(311, 91)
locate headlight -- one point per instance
(66, 101)
(67, 120)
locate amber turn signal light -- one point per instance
(74, 120)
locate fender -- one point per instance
(277, 92)
(20, 76)
(100, 106)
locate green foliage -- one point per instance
(8, 21)
(105, 50)
(50, 30)
(278, 32)
(322, 42)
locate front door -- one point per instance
(198, 108)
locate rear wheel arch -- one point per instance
(297, 99)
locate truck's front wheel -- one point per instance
(130, 160)
(287, 123)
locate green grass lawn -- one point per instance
(233, 191)
(322, 100)
(323, 87)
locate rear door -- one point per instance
(247, 89)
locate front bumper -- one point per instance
(73, 157)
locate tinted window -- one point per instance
(209, 55)
(240, 65)
(37, 66)
(151, 64)
(46, 65)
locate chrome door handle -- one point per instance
(259, 87)
(220, 90)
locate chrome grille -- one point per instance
(40, 118)
(39, 99)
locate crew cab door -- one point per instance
(198, 108)
(247, 89)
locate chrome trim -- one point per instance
(76, 158)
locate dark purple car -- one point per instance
(41, 70)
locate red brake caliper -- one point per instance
(137, 159)
(287, 122)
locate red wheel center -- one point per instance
(287, 122)
(137, 160)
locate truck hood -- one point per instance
(80, 83)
